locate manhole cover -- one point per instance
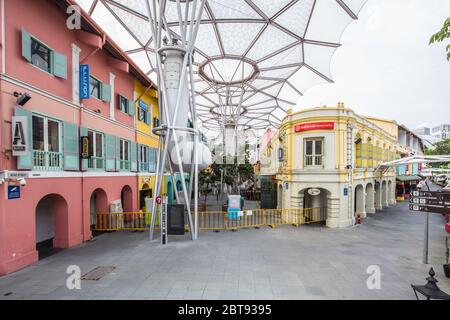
(97, 273)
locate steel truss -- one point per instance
(169, 132)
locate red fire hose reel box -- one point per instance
(447, 227)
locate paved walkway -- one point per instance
(310, 262)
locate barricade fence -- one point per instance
(212, 220)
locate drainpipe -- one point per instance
(350, 128)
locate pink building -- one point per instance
(40, 57)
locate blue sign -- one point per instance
(345, 191)
(85, 76)
(13, 192)
(286, 186)
(143, 105)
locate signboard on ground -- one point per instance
(433, 209)
(430, 201)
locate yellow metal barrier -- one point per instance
(213, 220)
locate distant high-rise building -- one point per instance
(422, 131)
(441, 132)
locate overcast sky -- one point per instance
(386, 68)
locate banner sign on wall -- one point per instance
(143, 105)
(13, 192)
(314, 126)
(86, 152)
(85, 75)
(20, 143)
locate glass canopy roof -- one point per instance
(253, 58)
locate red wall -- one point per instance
(45, 21)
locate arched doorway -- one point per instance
(315, 204)
(127, 199)
(280, 197)
(360, 206)
(384, 201)
(370, 198)
(51, 225)
(98, 203)
(146, 192)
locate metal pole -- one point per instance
(426, 233)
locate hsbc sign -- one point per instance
(20, 143)
(314, 126)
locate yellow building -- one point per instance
(327, 158)
(147, 117)
(408, 143)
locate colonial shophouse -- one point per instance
(48, 192)
(408, 144)
(327, 158)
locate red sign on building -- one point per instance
(314, 126)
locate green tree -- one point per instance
(443, 34)
(441, 148)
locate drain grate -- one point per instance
(97, 273)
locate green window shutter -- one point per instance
(133, 147)
(26, 162)
(139, 156)
(84, 162)
(147, 119)
(26, 45)
(110, 152)
(152, 159)
(117, 153)
(71, 147)
(60, 65)
(105, 92)
(131, 108)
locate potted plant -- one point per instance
(447, 254)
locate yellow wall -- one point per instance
(144, 133)
(143, 130)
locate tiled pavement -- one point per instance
(310, 262)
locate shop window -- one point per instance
(97, 161)
(143, 158)
(314, 152)
(124, 155)
(95, 88)
(144, 113)
(47, 153)
(123, 104)
(41, 55)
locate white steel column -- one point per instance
(174, 65)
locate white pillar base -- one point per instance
(371, 210)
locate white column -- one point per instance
(75, 73)
(385, 196)
(112, 103)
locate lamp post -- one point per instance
(431, 289)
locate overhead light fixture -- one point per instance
(22, 98)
